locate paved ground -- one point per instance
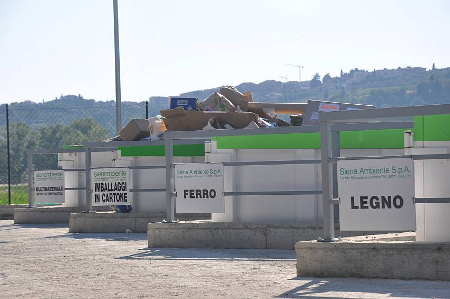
(45, 261)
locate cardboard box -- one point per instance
(136, 129)
(216, 102)
(181, 120)
(236, 97)
(186, 103)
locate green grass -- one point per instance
(19, 194)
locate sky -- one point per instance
(50, 48)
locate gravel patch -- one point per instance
(46, 261)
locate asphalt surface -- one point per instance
(46, 261)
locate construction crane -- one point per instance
(299, 71)
(285, 78)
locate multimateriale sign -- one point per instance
(49, 186)
(376, 194)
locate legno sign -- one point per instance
(376, 194)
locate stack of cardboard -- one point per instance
(228, 108)
(139, 129)
(181, 120)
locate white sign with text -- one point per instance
(49, 186)
(199, 188)
(110, 186)
(376, 195)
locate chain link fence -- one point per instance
(23, 129)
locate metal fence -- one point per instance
(331, 126)
(23, 129)
(330, 151)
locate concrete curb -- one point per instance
(374, 259)
(224, 235)
(43, 215)
(230, 235)
(7, 211)
(112, 222)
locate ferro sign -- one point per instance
(199, 188)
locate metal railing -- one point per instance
(331, 124)
(26, 127)
(330, 150)
(199, 137)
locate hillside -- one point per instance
(72, 119)
(382, 88)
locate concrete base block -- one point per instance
(43, 215)
(7, 211)
(230, 235)
(372, 258)
(112, 222)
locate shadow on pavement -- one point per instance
(105, 236)
(9, 224)
(367, 288)
(213, 254)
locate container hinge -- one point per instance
(335, 201)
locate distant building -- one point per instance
(304, 85)
(389, 73)
(415, 70)
(359, 76)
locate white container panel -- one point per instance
(432, 180)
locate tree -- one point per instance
(326, 78)
(78, 132)
(354, 90)
(3, 161)
(340, 97)
(315, 82)
(22, 138)
(85, 130)
(423, 89)
(52, 136)
(56, 136)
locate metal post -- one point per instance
(336, 152)
(170, 202)
(327, 187)
(117, 69)
(30, 178)
(88, 165)
(8, 154)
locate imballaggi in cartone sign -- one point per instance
(110, 186)
(376, 195)
(199, 188)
